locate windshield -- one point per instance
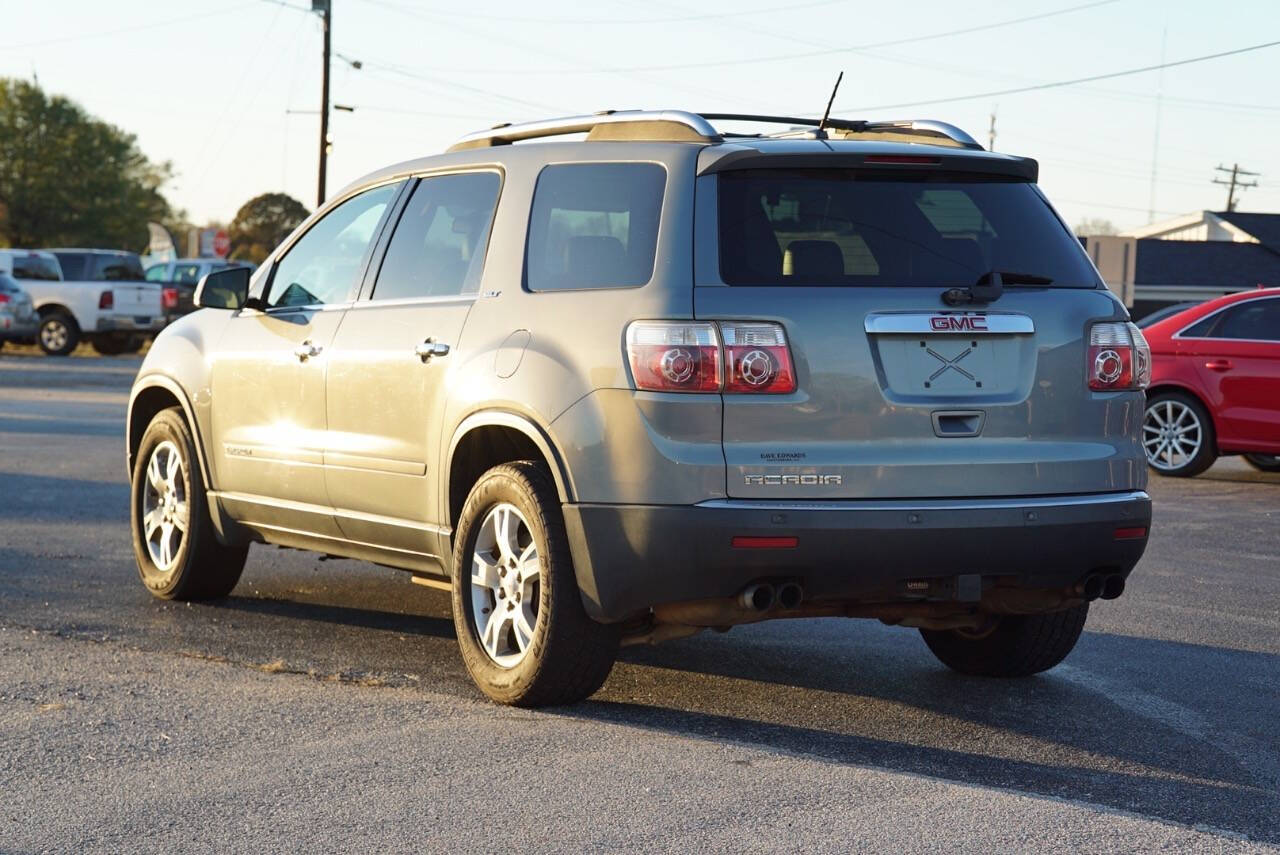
(35, 267)
(896, 228)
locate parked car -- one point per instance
(102, 298)
(179, 278)
(1164, 312)
(1215, 386)
(618, 390)
(17, 314)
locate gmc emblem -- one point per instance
(958, 323)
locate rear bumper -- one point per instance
(13, 328)
(131, 323)
(629, 558)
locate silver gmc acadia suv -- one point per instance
(622, 388)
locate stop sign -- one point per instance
(221, 244)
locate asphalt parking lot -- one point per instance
(324, 706)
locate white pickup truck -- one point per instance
(87, 294)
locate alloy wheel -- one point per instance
(1171, 434)
(165, 509)
(506, 575)
(53, 334)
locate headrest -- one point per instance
(810, 259)
(595, 257)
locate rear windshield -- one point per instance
(35, 267)
(865, 227)
(119, 268)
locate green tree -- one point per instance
(262, 223)
(68, 179)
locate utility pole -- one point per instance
(1235, 182)
(325, 8)
(991, 134)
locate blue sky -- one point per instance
(207, 86)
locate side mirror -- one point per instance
(224, 289)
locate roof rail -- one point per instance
(649, 125)
(682, 126)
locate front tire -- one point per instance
(1018, 646)
(58, 334)
(174, 542)
(1264, 462)
(524, 635)
(1177, 435)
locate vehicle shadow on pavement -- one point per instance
(348, 616)
(1153, 736)
(59, 427)
(43, 498)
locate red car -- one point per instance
(1215, 385)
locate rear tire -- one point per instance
(177, 550)
(1019, 646)
(524, 634)
(1178, 435)
(1264, 462)
(58, 334)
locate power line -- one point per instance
(757, 60)
(708, 16)
(98, 34)
(1060, 83)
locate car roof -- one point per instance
(1190, 315)
(43, 253)
(661, 134)
(537, 154)
(91, 251)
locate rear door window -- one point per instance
(74, 265)
(876, 227)
(35, 267)
(1255, 320)
(439, 245)
(594, 225)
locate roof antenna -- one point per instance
(827, 115)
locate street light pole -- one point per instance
(325, 8)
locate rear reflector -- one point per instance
(745, 542)
(1135, 533)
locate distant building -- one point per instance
(1194, 257)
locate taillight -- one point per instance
(1119, 357)
(169, 298)
(757, 359)
(736, 357)
(674, 356)
(106, 300)
(4, 298)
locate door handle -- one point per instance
(1218, 365)
(429, 348)
(307, 350)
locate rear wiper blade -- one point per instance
(990, 286)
